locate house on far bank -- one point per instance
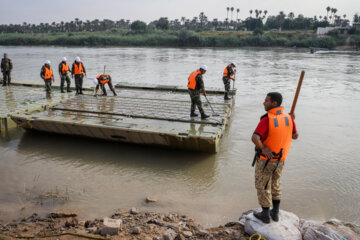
(356, 25)
(323, 31)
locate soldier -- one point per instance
(78, 70)
(6, 68)
(195, 86)
(100, 82)
(272, 139)
(63, 72)
(228, 74)
(47, 75)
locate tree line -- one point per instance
(257, 20)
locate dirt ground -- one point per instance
(135, 225)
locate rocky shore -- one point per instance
(123, 224)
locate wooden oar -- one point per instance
(297, 92)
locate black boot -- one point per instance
(264, 216)
(193, 114)
(68, 89)
(274, 213)
(226, 97)
(104, 92)
(62, 90)
(114, 93)
(204, 116)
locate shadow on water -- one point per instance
(99, 152)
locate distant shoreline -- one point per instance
(300, 39)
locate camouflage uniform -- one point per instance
(47, 81)
(267, 181)
(102, 86)
(195, 95)
(78, 78)
(6, 67)
(64, 77)
(227, 80)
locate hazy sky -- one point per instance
(36, 11)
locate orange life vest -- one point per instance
(48, 72)
(192, 79)
(78, 69)
(226, 72)
(280, 133)
(65, 68)
(103, 78)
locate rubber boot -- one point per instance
(264, 216)
(193, 114)
(81, 92)
(114, 93)
(104, 91)
(226, 97)
(62, 89)
(204, 116)
(68, 89)
(274, 213)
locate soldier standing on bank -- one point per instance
(229, 74)
(100, 82)
(64, 71)
(272, 139)
(195, 86)
(79, 71)
(6, 68)
(47, 75)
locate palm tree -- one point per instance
(227, 14)
(256, 13)
(237, 14)
(344, 16)
(291, 15)
(232, 10)
(251, 11)
(328, 10)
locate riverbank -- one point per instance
(133, 224)
(180, 39)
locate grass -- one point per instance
(181, 38)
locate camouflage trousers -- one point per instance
(267, 181)
(78, 82)
(48, 85)
(6, 78)
(227, 82)
(63, 79)
(195, 101)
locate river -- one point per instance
(321, 177)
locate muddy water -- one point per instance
(321, 177)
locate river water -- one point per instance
(322, 174)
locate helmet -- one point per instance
(95, 81)
(203, 67)
(47, 62)
(77, 59)
(64, 59)
(234, 63)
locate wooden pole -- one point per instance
(104, 68)
(297, 92)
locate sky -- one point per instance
(37, 11)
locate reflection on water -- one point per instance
(321, 175)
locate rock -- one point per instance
(156, 238)
(202, 232)
(187, 234)
(91, 229)
(135, 230)
(73, 222)
(228, 232)
(180, 237)
(169, 234)
(61, 214)
(148, 238)
(110, 226)
(150, 199)
(134, 211)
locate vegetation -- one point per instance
(256, 30)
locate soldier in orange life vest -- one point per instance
(195, 86)
(272, 139)
(229, 73)
(47, 75)
(100, 82)
(79, 71)
(63, 71)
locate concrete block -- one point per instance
(110, 226)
